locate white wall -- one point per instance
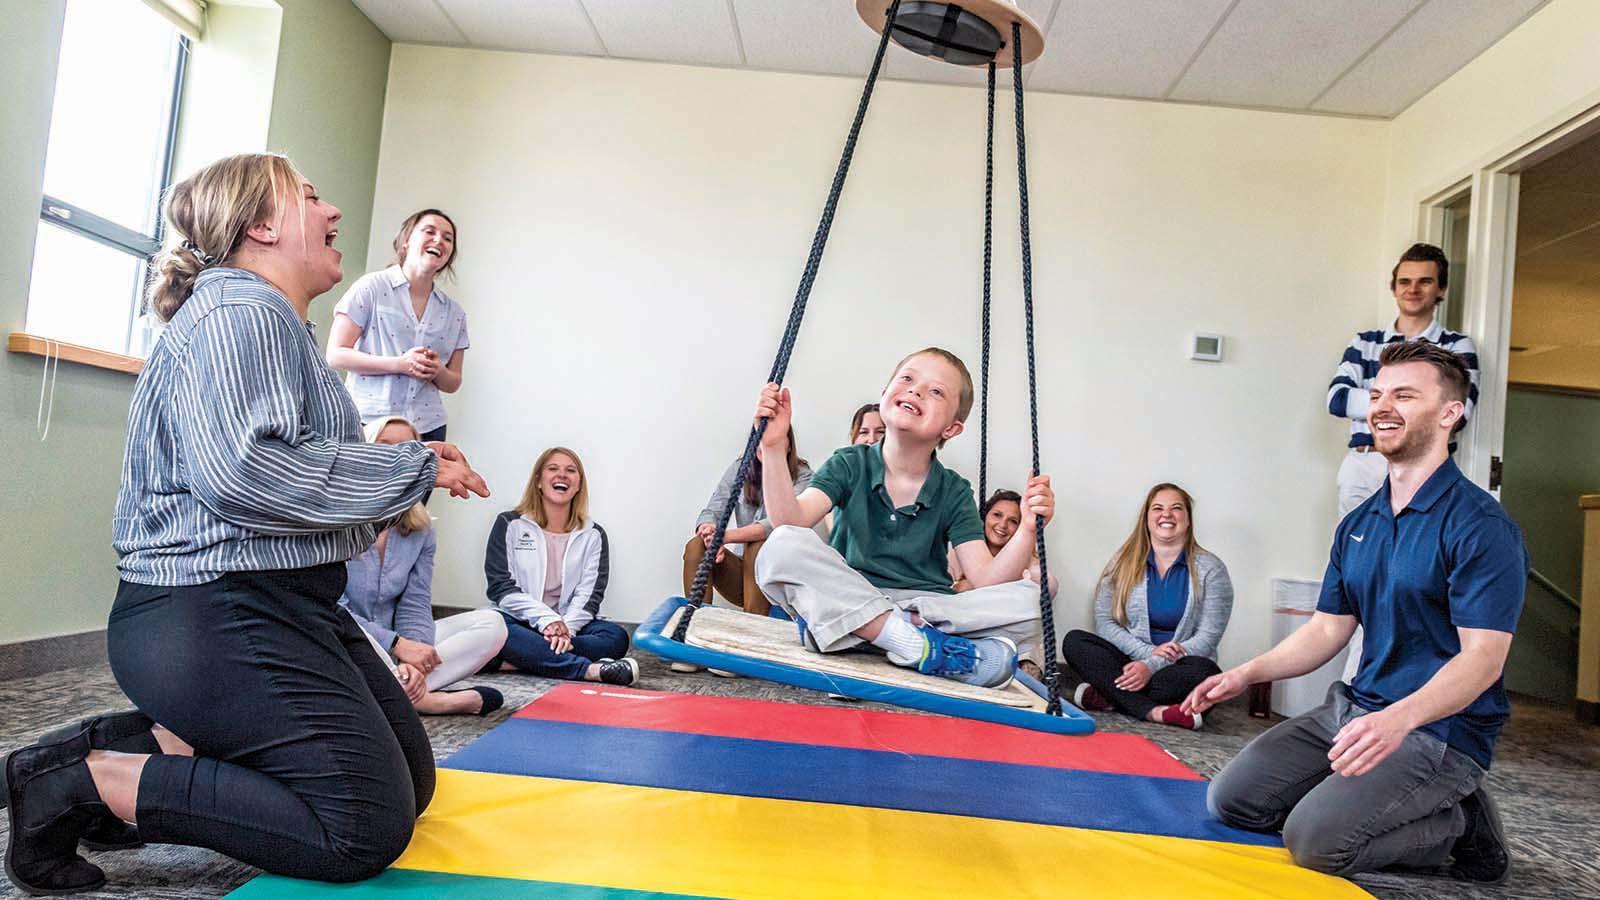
(631, 235)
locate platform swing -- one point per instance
(972, 33)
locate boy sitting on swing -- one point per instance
(884, 580)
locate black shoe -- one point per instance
(491, 699)
(123, 732)
(51, 798)
(624, 671)
(1480, 853)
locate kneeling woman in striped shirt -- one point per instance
(287, 743)
(547, 564)
(390, 594)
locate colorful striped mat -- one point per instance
(600, 792)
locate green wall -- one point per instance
(60, 575)
(1551, 459)
(327, 114)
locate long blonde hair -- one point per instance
(416, 518)
(1127, 567)
(532, 504)
(208, 214)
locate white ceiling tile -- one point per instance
(546, 26)
(1131, 48)
(680, 31)
(805, 36)
(1277, 54)
(1414, 59)
(411, 21)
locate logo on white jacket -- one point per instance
(525, 541)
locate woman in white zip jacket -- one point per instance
(547, 565)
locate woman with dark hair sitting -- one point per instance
(866, 426)
(733, 574)
(1160, 610)
(1001, 515)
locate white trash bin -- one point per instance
(1293, 602)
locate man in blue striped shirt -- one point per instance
(1418, 282)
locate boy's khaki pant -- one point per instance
(808, 578)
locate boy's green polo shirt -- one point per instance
(897, 548)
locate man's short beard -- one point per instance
(1413, 446)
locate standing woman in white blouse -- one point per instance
(403, 340)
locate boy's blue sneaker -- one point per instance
(986, 662)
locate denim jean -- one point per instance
(529, 651)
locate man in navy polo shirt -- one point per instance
(1389, 771)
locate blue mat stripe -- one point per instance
(1109, 802)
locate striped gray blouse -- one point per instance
(244, 449)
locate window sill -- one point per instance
(22, 342)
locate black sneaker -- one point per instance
(624, 671)
(1480, 853)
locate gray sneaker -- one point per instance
(986, 662)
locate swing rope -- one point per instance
(791, 332)
(988, 243)
(1046, 608)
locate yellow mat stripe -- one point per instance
(687, 842)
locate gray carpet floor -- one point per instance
(1544, 778)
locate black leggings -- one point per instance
(309, 760)
(1099, 662)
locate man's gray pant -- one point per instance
(1404, 813)
(808, 578)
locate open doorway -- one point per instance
(1552, 404)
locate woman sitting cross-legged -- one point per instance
(547, 565)
(1161, 607)
(733, 573)
(389, 592)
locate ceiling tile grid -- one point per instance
(1341, 57)
(1416, 57)
(411, 21)
(1277, 54)
(790, 36)
(682, 31)
(546, 26)
(1132, 48)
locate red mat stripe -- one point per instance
(833, 726)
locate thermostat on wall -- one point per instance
(1206, 347)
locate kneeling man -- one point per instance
(1389, 771)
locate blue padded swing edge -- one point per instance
(649, 636)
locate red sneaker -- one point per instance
(1172, 715)
(1087, 698)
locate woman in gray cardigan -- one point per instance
(1160, 610)
(733, 574)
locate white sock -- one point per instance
(901, 639)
